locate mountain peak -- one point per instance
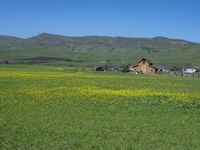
(44, 34)
(161, 38)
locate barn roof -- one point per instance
(146, 59)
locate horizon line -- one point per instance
(96, 35)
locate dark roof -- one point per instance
(153, 67)
(160, 67)
(146, 59)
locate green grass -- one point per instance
(43, 107)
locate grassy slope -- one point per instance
(46, 108)
(180, 56)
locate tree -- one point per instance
(126, 68)
(6, 62)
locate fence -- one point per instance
(173, 73)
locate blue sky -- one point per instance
(132, 18)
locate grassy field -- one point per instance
(44, 107)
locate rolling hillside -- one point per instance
(97, 50)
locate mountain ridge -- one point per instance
(99, 49)
(53, 34)
(44, 40)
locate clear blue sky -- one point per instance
(132, 18)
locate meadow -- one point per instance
(45, 107)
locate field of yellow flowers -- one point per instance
(44, 107)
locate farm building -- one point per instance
(144, 66)
(189, 70)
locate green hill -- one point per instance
(97, 50)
